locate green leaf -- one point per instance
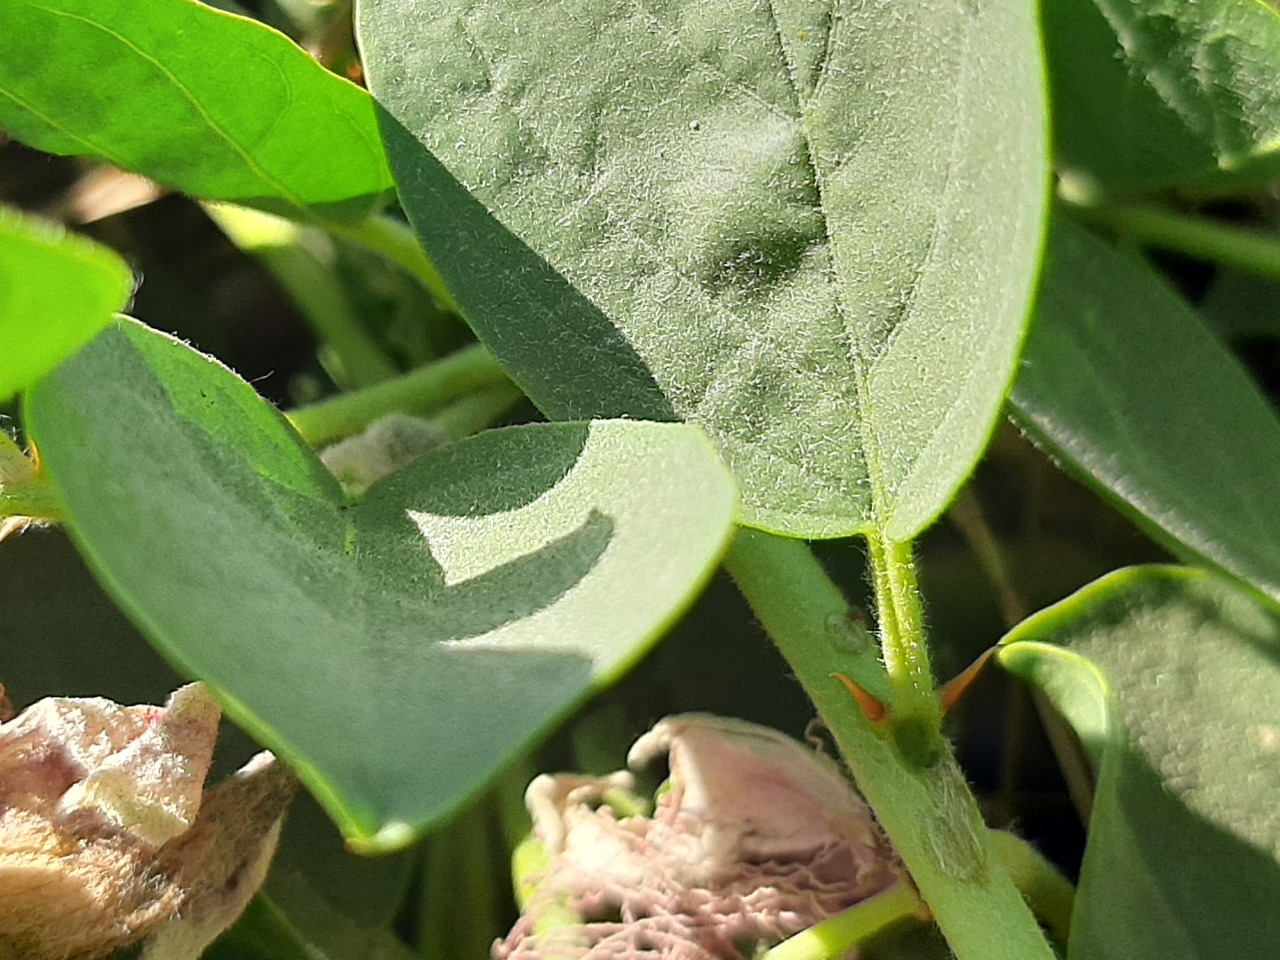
(809, 227)
(1173, 677)
(56, 291)
(1149, 94)
(1124, 384)
(399, 650)
(214, 105)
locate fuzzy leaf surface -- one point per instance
(1172, 677)
(209, 103)
(810, 227)
(1123, 382)
(396, 651)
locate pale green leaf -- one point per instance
(1172, 677)
(809, 227)
(396, 651)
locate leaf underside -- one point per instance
(523, 567)
(810, 228)
(1172, 676)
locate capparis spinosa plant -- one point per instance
(741, 286)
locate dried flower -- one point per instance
(107, 836)
(752, 839)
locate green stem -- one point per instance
(832, 938)
(926, 809)
(417, 391)
(24, 491)
(1191, 235)
(285, 249)
(478, 411)
(1050, 894)
(397, 242)
(914, 711)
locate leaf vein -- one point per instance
(217, 128)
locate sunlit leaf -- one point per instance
(396, 651)
(56, 291)
(810, 228)
(216, 105)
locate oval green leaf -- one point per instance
(56, 291)
(1152, 94)
(1173, 677)
(212, 104)
(396, 651)
(809, 227)
(1124, 384)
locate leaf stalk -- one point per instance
(915, 712)
(833, 937)
(429, 386)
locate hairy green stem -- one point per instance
(286, 249)
(1191, 235)
(397, 242)
(417, 391)
(914, 710)
(925, 808)
(832, 938)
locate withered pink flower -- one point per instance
(752, 839)
(107, 836)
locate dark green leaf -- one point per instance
(215, 105)
(1172, 677)
(370, 643)
(809, 227)
(1149, 94)
(1124, 383)
(56, 291)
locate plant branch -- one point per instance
(286, 249)
(832, 938)
(397, 242)
(1050, 894)
(1184, 233)
(927, 811)
(967, 515)
(478, 411)
(417, 391)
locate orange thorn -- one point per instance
(954, 688)
(872, 707)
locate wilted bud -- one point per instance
(107, 836)
(384, 447)
(752, 839)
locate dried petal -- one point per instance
(753, 838)
(221, 862)
(97, 801)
